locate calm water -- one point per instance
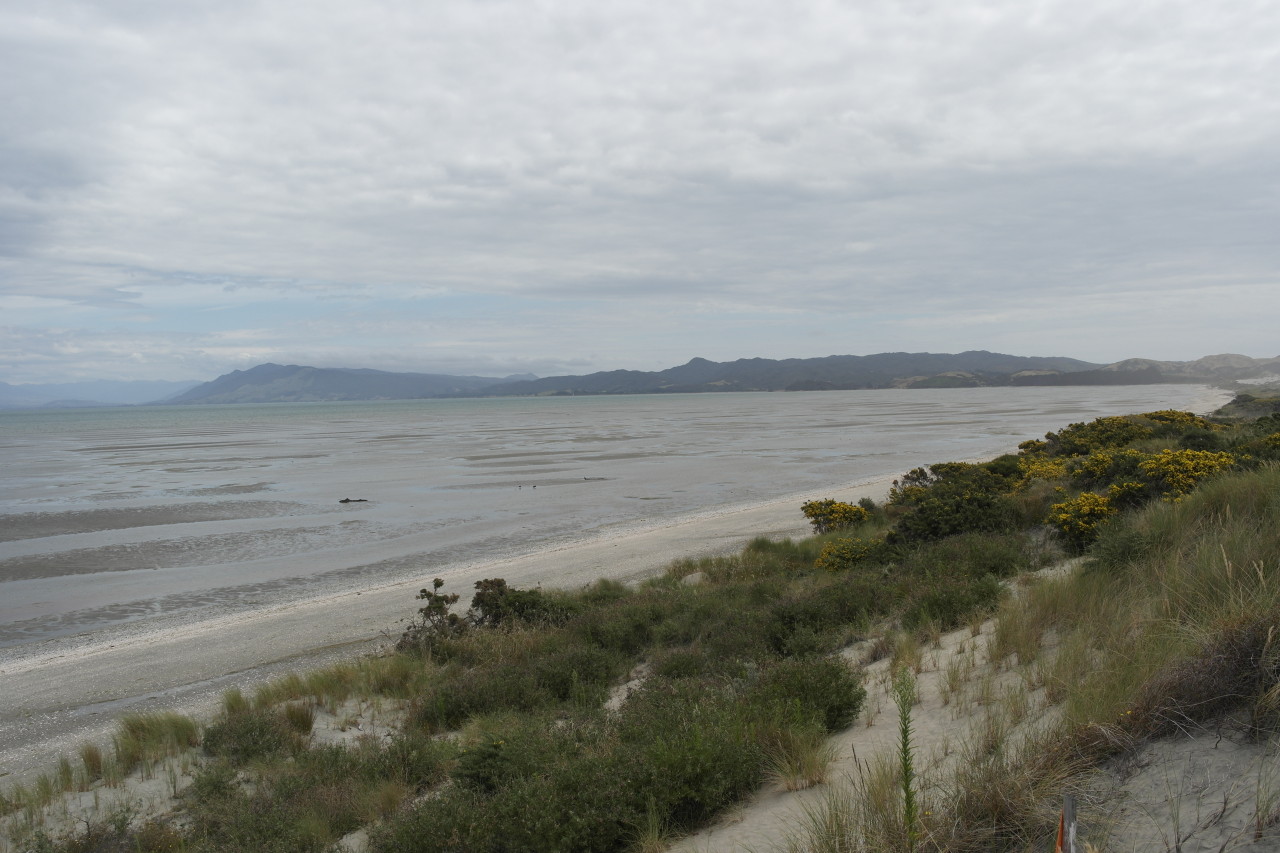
(120, 517)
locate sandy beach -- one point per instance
(56, 697)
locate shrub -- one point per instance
(1176, 472)
(950, 498)
(479, 690)
(948, 600)
(1107, 466)
(483, 766)
(808, 621)
(846, 553)
(1083, 438)
(435, 621)
(1079, 519)
(495, 603)
(564, 672)
(827, 690)
(946, 513)
(1180, 421)
(969, 555)
(1128, 495)
(696, 746)
(251, 734)
(1036, 466)
(828, 515)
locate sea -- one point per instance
(115, 517)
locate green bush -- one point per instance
(946, 601)
(577, 668)
(251, 734)
(627, 628)
(827, 690)
(696, 746)
(495, 603)
(450, 701)
(948, 513)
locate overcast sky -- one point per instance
(495, 186)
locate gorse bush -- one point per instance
(840, 554)
(1176, 472)
(1080, 519)
(1084, 438)
(829, 515)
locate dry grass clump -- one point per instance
(799, 758)
(144, 738)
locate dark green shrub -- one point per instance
(695, 744)
(801, 624)
(947, 513)
(627, 628)
(971, 555)
(495, 603)
(480, 690)
(435, 622)
(1007, 467)
(484, 766)
(251, 734)
(680, 663)
(842, 554)
(948, 600)
(823, 689)
(605, 591)
(411, 757)
(564, 672)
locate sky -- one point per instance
(565, 186)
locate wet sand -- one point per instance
(54, 697)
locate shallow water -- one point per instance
(115, 517)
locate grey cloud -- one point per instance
(848, 158)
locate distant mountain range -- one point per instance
(275, 383)
(291, 383)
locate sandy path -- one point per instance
(52, 701)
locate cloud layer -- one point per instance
(502, 186)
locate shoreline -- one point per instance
(56, 698)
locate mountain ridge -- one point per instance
(277, 383)
(973, 368)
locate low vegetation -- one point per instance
(614, 717)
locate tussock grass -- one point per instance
(799, 758)
(144, 738)
(91, 758)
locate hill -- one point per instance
(276, 383)
(832, 373)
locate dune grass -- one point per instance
(1173, 622)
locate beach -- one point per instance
(154, 568)
(55, 701)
